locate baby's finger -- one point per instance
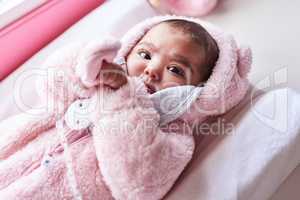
(113, 76)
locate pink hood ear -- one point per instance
(228, 82)
(244, 61)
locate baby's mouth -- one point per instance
(150, 88)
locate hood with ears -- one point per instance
(228, 82)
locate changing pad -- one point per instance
(253, 160)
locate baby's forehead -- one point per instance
(166, 34)
(165, 31)
(173, 44)
(164, 28)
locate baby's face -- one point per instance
(166, 57)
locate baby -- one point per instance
(125, 153)
(172, 53)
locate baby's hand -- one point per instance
(112, 75)
(92, 58)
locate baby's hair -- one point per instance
(198, 34)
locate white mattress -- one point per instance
(251, 162)
(264, 148)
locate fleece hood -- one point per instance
(227, 84)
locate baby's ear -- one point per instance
(92, 57)
(244, 61)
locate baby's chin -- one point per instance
(150, 88)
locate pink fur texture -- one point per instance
(126, 155)
(121, 163)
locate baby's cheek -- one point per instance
(171, 83)
(135, 67)
(170, 80)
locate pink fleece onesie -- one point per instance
(111, 161)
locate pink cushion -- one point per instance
(23, 38)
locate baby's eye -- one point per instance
(176, 70)
(145, 55)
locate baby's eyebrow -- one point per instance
(176, 57)
(147, 44)
(183, 60)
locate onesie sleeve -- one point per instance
(137, 158)
(71, 72)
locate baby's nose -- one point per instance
(152, 72)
